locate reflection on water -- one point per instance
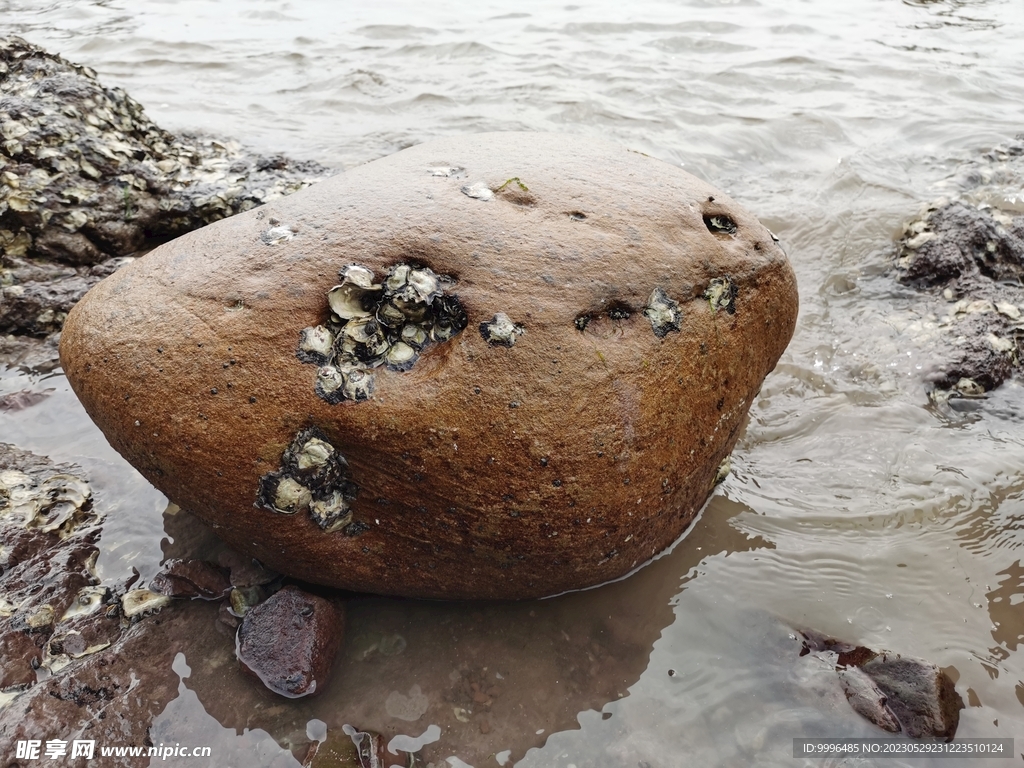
(493, 677)
(854, 507)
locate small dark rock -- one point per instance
(290, 640)
(191, 578)
(245, 571)
(226, 617)
(30, 354)
(896, 693)
(18, 401)
(920, 695)
(975, 359)
(40, 307)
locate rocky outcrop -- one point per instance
(970, 255)
(51, 604)
(86, 177)
(496, 366)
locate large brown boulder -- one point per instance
(497, 366)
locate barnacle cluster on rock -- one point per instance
(662, 311)
(58, 502)
(378, 324)
(313, 478)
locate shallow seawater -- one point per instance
(854, 507)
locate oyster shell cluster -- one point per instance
(58, 503)
(313, 478)
(375, 325)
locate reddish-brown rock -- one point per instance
(600, 323)
(289, 641)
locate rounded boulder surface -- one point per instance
(495, 366)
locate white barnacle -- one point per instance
(315, 454)
(414, 311)
(721, 294)
(331, 513)
(423, 286)
(969, 388)
(347, 352)
(374, 349)
(88, 600)
(291, 496)
(43, 616)
(501, 331)
(414, 336)
(348, 301)
(401, 356)
(357, 295)
(316, 344)
(357, 274)
(136, 602)
(397, 278)
(275, 235)
(328, 381)
(360, 329)
(478, 191)
(449, 318)
(358, 384)
(448, 172)
(663, 312)
(390, 315)
(442, 331)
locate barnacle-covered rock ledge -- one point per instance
(495, 366)
(87, 180)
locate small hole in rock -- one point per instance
(619, 311)
(720, 224)
(577, 215)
